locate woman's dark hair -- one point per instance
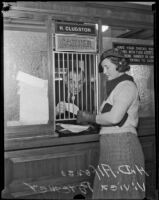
(117, 57)
(122, 63)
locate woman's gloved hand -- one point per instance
(84, 117)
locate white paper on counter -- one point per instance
(74, 128)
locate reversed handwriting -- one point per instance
(105, 170)
(83, 187)
(123, 187)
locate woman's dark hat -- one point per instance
(110, 53)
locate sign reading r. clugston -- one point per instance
(75, 28)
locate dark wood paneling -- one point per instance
(148, 145)
(48, 167)
(46, 141)
(42, 167)
(146, 126)
(113, 14)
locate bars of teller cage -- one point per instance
(85, 59)
(94, 83)
(63, 70)
(82, 81)
(90, 92)
(73, 95)
(77, 76)
(97, 86)
(59, 78)
(54, 82)
(68, 86)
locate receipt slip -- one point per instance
(73, 128)
(72, 108)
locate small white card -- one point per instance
(72, 108)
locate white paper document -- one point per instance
(74, 128)
(31, 80)
(71, 108)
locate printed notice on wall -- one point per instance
(75, 43)
(138, 54)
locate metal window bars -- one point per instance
(75, 82)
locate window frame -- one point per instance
(36, 130)
(34, 136)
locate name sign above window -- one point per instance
(75, 43)
(65, 28)
(138, 54)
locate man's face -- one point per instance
(75, 82)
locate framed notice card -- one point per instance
(75, 43)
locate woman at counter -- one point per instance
(121, 155)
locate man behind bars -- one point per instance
(74, 90)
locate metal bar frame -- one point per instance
(91, 58)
